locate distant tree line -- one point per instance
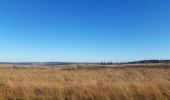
(137, 62)
(106, 63)
(149, 61)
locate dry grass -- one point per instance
(85, 84)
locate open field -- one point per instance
(118, 83)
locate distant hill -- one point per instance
(38, 63)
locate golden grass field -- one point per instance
(131, 83)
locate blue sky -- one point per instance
(84, 30)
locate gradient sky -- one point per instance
(84, 30)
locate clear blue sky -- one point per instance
(84, 30)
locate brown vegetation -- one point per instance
(85, 84)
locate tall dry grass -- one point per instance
(85, 84)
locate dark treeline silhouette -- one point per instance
(137, 62)
(149, 61)
(106, 63)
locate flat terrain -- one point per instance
(137, 82)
